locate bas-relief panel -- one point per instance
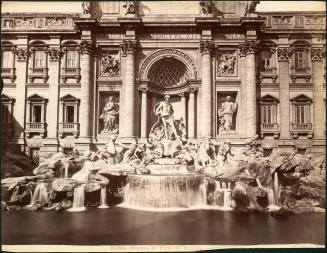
(109, 65)
(226, 63)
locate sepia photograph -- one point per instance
(130, 126)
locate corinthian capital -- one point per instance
(87, 47)
(206, 46)
(21, 54)
(284, 53)
(129, 47)
(248, 47)
(54, 54)
(317, 54)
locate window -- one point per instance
(269, 124)
(266, 59)
(36, 113)
(7, 59)
(36, 120)
(38, 62)
(5, 114)
(68, 124)
(7, 118)
(71, 59)
(39, 59)
(70, 114)
(70, 65)
(301, 116)
(298, 60)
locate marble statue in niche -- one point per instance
(110, 116)
(227, 64)
(109, 65)
(166, 126)
(225, 115)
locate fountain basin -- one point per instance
(165, 191)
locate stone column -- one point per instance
(191, 114)
(183, 106)
(243, 110)
(317, 56)
(19, 110)
(86, 64)
(144, 115)
(206, 48)
(129, 90)
(284, 54)
(52, 115)
(250, 96)
(50, 145)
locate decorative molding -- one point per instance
(129, 47)
(206, 46)
(163, 53)
(282, 20)
(317, 54)
(284, 53)
(248, 47)
(314, 20)
(54, 54)
(22, 54)
(87, 47)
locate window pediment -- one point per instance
(36, 98)
(69, 98)
(301, 98)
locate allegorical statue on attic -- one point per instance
(225, 115)
(86, 7)
(129, 7)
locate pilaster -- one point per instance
(284, 54)
(206, 100)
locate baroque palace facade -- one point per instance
(62, 73)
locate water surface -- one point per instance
(117, 226)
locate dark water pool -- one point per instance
(117, 225)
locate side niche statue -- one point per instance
(225, 115)
(166, 126)
(110, 115)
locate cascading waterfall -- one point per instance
(66, 172)
(223, 195)
(79, 198)
(40, 195)
(103, 198)
(276, 188)
(165, 191)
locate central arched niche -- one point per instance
(168, 72)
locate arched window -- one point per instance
(70, 62)
(38, 62)
(267, 60)
(8, 61)
(300, 67)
